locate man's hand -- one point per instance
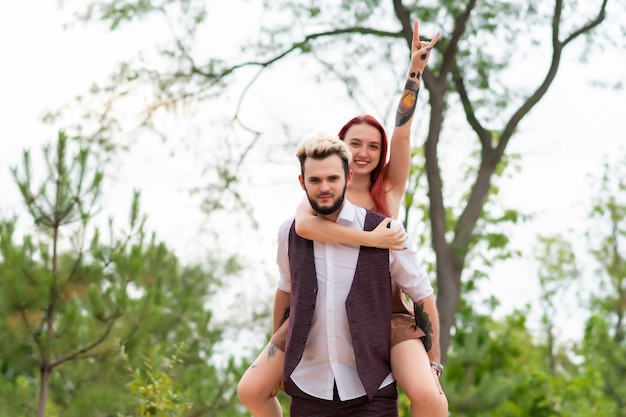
(436, 378)
(281, 386)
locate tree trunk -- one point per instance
(43, 390)
(448, 299)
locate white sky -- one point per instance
(43, 67)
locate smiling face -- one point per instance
(325, 182)
(365, 143)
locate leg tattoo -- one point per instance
(271, 351)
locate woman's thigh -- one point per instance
(411, 368)
(266, 372)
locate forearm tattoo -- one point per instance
(423, 322)
(407, 104)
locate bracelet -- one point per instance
(437, 367)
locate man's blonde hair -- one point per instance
(321, 147)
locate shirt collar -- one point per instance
(347, 215)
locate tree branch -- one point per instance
(483, 135)
(307, 39)
(35, 336)
(587, 26)
(80, 353)
(404, 16)
(557, 51)
(460, 23)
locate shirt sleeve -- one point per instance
(407, 273)
(282, 256)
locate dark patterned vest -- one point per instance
(367, 305)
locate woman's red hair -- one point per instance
(377, 176)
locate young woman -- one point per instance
(379, 186)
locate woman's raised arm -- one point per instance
(397, 171)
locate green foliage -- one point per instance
(604, 344)
(588, 391)
(499, 368)
(154, 387)
(482, 370)
(70, 295)
(119, 12)
(557, 270)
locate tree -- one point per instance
(70, 298)
(557, 270)
(468, 74)
(43, 296)
(604, 343)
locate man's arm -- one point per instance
(414, 282)
(427, 317)
(282, 301)
(282, 298)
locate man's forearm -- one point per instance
(282, 301)
(431, 316)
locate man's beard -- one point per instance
(328, 210)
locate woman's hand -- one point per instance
(387, 238)
(420, 52)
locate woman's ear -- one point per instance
(349, 178)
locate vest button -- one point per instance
(315, 290)
(308, 323)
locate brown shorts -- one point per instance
(402, 328)
(402, 318)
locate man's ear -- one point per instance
(301, 182)
(349, 178)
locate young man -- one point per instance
(339, 297)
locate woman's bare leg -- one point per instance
(411, 368)
(258, 385)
